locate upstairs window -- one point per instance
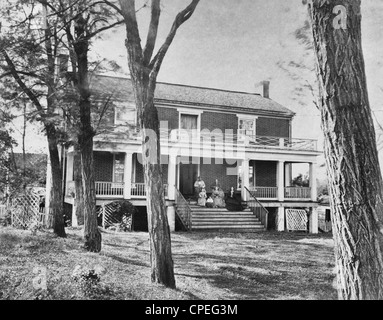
(118, 167)
(125, 114)
(246, 128)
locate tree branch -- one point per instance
(90, 35)
(20, 82)
(129, 14)
(29, 74)
(152, 32)
(181, 17)
(114, 7)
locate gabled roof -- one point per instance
(122, 90)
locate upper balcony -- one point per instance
(214, 139)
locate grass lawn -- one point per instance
(227, 266)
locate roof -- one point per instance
(122, 90)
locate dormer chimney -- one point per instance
(266, 89)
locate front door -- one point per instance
(188, 175)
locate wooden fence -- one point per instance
(25, 210)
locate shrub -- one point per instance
(123, 211)
(88, 282)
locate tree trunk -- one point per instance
(56, 195)
(92, 235)
(350, 150)
(162, 267)
(77, 177)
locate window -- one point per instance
(118, 168)
(125, 114)
(190, 120)
(246, 128)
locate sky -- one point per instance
(235, 45)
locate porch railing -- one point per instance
(258, 209)
(297, 193)
(183, 210)
(139, 190)
(229, 139)
(265, 192)
(109, 189)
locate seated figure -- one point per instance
(209, 203)
(202, 198)
(218, 197)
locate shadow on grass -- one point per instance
(259, 278)
(126, 260)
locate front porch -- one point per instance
(120, 176)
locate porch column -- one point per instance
(72, 194)
(245, 179)
(313, 182)
(280, 221)
(313, 220)
(69, 168)
(280, 180)
(172, 166)
(288, 176)
(128, 163)
(74, 217)
(48, 188)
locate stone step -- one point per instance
(197, 208)
(227, 221)
(242, 228)
(225, 217)
(207, 212)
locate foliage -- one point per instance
(123, 211)
(88, 282)
(301, 181)
(7, 220)
(123, 208)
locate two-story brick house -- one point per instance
(242, 140)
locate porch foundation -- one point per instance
(171, 215)
(313, 221)
(74, 217)
(280, 219)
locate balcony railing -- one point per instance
(264, 192)
(297, 193)
(222, 139)
(217, 139)
(109, 189)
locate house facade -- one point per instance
(240, 141)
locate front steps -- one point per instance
(220, 219)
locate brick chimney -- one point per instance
(266, 89)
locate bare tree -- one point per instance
(144, 70)
(29, 57)
(350, 148)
